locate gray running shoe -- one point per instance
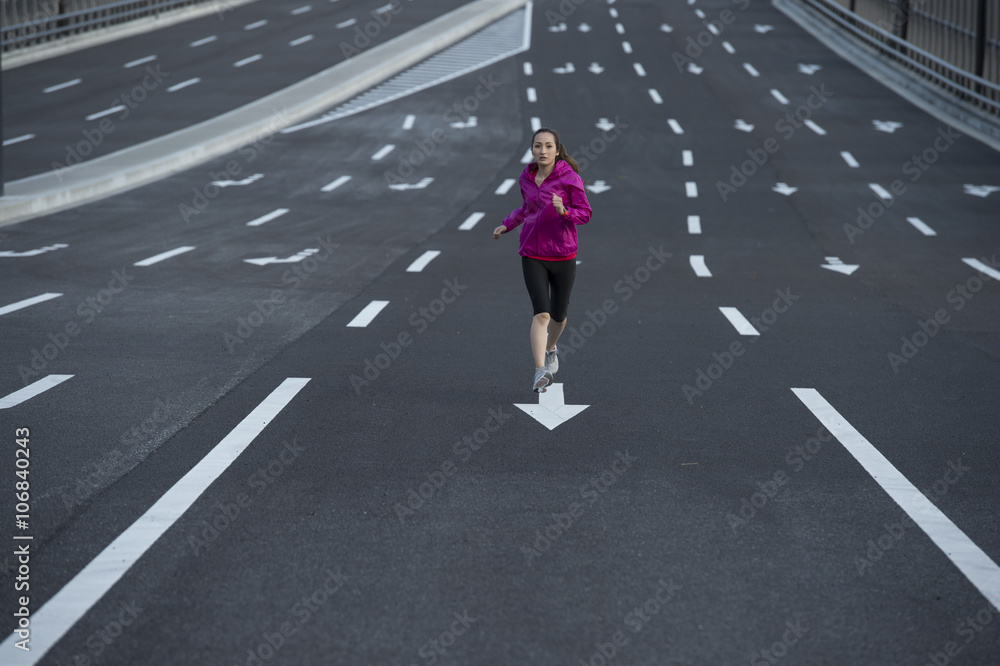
(541, 381)
(552, 360)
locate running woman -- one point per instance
(554, 203)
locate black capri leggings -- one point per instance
(549, 284)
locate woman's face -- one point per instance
(544, 149)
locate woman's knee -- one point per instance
(542, 318)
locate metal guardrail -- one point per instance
(954, 44)
(32, 22)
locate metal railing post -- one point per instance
(980, 54)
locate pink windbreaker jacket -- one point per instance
(546, 233)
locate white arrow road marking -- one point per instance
(743, 125)
(729, 48)
(558, 28)
(568, 68)
(598, 187)
(164, 255)
(763, 29)
(691, 189)
(595, 68)
(28, 302)
(294, 259)
(784, 188)
(367, 315)
(331, 186)
(981, 190)
(471, 221)
(421, 262)
(675, 126)
(959, 548)
(18, 139)
(695, 69)
(583, 27)
(666, 28)
(552, 410)
(698, 264)
(983, 268)
(58, 615)
(505, 186)
(835, 264)
(604, 124)
(264, 219)
(776, 94)
(886, 126)
(809, 69)
(851, 162)
(472, 121)
(15, 399)
(739, 322)
(923, 228)
(880, 191)
(751, 69)
(424, 182)
(238, 183)
(33, 253)
(694, 224)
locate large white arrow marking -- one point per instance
(552, 410)
(743, 125)
(424, 182)
(981, 190)
(809, 69)
(473, 121)
(889, 126)
(598, 187)
(294, 259)
(604, 124)
(583, 27)
(595, 68)
(835, 264)
(32, 253)
(784, 188)
(568, 69)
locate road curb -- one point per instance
(161, 157)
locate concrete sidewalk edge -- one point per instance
(141, 164)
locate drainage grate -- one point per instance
(507, 37)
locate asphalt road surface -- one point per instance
(328, 455)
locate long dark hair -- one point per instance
(561, 153)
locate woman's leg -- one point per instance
(540, 324)
(536, 279)
(562, 274)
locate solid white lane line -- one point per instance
(532, 96)
(814, 127)
(12, 400)
(982, 268)
(255, 25)
(60, 86)
(13, 307)
(675, 126)
(408, 121)
(655, 96)
(18, 139)
(921, 226)
(183, 84)
(422, 261)
(505, 186)
(536, 124)
(528, 71)
(626, 47)
(688, 157)
(369, 313)
(301, 10)
(301, 40)
(694, 224)
(348, 23)
(851, 162)
(698, 264)
(776, 94)
(247, 61)
(330, 187)
(140, 61)
(164, 255)
(264, 219)
(619, 28)
(729, 48)
(953, 542)
(106, 112)
(639, 69)
(383, 151)
(880, 191)
(62, 611)
(739, 322)
(691, 189)
(751, 69)
(471, 221)
(202, 42)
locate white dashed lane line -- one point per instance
(471, 221)
(383, 151)
(694, 224)
(140, 61)
(264, 219)
(691, 189)
(776, 94)
(202, 42)
(18, 139)
(408, 122)
(28, 302)
(698, 264)
(851, 162)
(164, 255)
(330, 187)
(61, 86)
(106, 112)
(255, 25)
(301, 40)
(739, 322)
(247, 61)
(687, 157)
(751, 69)
(422, 261)
(921, 226)
(367, 315)
(505, 186)
(655, 96)
(183, 84)
(13, 400)
(675, 126)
